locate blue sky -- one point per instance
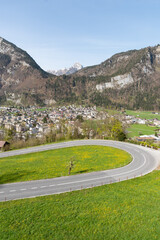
(58, 33)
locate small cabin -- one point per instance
(4, 145)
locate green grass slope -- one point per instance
(143, 114)
(140, 129)
(53, 163)
(124, 211)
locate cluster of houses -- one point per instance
(26, 122)
(71, 112)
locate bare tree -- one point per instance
(71, 165)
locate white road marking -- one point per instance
(23, 189)
(25, 197)
(136, 150)
(92, 179)
(67, 189)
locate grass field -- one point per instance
(41, 109)
(143, 114)
(136, 129)
(125, 211)
(53, 163)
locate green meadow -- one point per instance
(143, 114)
(140, 129)
(125, 211)
(53, 163)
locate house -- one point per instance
(8, 126)
(144, 138)
(4, 146)
(18, 128)
(141, 121)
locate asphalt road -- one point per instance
(144, 161)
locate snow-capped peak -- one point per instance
(76, 67)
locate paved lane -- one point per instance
(144, 161)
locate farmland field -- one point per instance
(143, 114)
(53, 163)
(140, 129)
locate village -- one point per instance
(24, 123)
(28, 122)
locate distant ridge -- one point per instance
(67, 71)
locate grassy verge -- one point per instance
(53, 163)
(140, 129)
(123, 211)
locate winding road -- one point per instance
(144, 161)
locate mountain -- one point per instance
(67, 71)
(129, 79)
(21, 79)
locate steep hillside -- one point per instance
(129, 79)
(21, 79)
